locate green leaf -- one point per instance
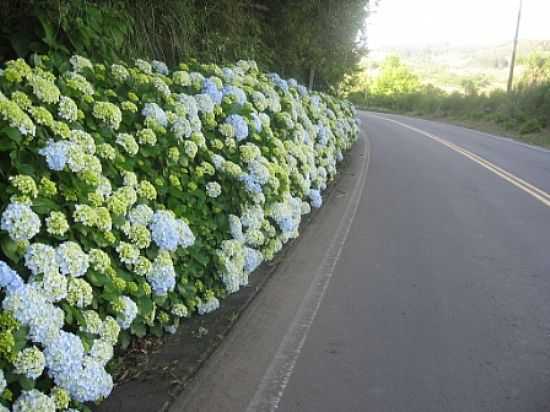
(156, 331)
(124, 339)
(145, 306)
(13, 134)
(26, 383)
(44, 206)
(138, 328)
(10, 249)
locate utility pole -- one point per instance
(513, 62)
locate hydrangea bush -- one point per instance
(133, 196)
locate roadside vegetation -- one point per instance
(473, 100)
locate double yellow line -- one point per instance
(527, 187)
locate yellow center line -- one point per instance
(527, 187)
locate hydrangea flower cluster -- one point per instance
(128, 184)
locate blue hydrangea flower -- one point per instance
(257, 122)
(155, 112)
(250, 183)
(9, 279)
(204, 102)
(35, 401)
(169, 233)
(88, 383)
(236, 227)
(129, 312)
(164, 231)
(217, 161)
(209, 87)
(30, 307)
(160, 67)
(228, 75)
(322, 135)
(275, 78)
(181, 129)
(239, 124)
(211, 304)
(56, 154)
(64, 356)
(286, 224)
(252, 259)
(237, 92)
(302, 90)
(315, 197)
(259, 172)
(189, 103)
(162, 276)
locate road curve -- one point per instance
(427, 288)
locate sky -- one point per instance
(457, 22)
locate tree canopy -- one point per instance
(312, 40)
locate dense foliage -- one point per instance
(134, 196)
(317, 40)
(526, 109)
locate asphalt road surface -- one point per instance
(423, 285)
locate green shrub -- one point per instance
(133, 197)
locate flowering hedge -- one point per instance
(132, 197)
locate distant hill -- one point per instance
(448, 66)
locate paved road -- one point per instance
(424, 285)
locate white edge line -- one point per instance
(274, 382)
(527, 187)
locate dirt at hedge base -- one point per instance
(156, 370)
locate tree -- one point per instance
(395, 79)
(316, 41)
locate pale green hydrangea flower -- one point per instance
(80, 63)
(30, 362)
(190, 149)
(213, 189)
(79, 84)
(146, 190)
(109, 330)
(180, 310)
(24, 185)
(108, 113)
(128, 106)
(119, 72)
(140, 236)
(44, 89)
(56, 223)
(147, 137)
(16, 117)
(128, 143)
(67, 109)
(92, 322)
(60, 397)
(106, 151)
(79, 293)
(127, 253)
(22, 100)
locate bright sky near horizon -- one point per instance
(458, 22)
